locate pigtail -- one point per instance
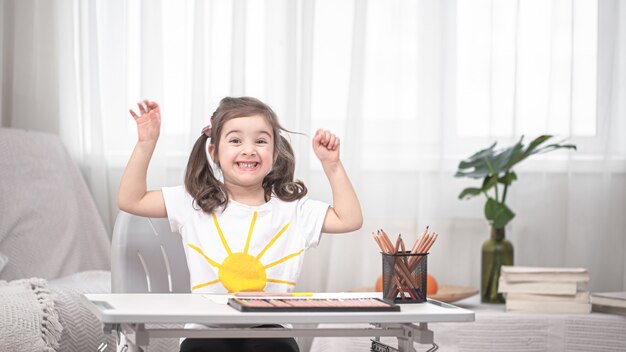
(208, 193)
(280, 180)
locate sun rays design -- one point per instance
(242, 271)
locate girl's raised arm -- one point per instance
(345, 214)
(133, 196)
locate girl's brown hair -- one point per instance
(207, 191)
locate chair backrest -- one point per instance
(146, 257)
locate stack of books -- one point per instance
(609, 302)
(545, 290)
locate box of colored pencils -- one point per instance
(298, 304)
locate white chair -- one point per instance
(146, 257)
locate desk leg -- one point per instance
(418, 333)
(405, 344)
(123, 343)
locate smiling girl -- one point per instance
(249, 231)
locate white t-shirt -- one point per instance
(245, 248)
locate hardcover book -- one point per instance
(527, 273)
(549, 288)
(609, 299)
(571, 307)
(580, 297)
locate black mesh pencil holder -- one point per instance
(404, 277)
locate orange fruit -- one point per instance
(379, 284)
(431, 285)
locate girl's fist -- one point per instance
(326, 146)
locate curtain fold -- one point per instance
(411, 87)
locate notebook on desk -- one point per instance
(312, 305)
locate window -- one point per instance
(526, 67)
(442, 78)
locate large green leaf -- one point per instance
(470, 192)
(503, 217)
(491, 208)
(476, 165)
(479, 155)
(529, 150)
(489, 182)
(503, 158)
(497, 213)
(551, 147)
(534, 147)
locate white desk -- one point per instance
(129, 313)
(495, 330)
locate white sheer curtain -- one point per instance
(51, 81)
(412, 87)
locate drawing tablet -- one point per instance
(312, 305)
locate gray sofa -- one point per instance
(53, 247)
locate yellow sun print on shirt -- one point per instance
(242, 271)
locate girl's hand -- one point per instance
(149, 123)
(326, 146)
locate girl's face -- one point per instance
(246, 151)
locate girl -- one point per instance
(249, 231)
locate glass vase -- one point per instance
(496, 251)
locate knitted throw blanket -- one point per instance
(28, 319)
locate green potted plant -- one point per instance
(495, 168)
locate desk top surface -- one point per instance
(212, 309)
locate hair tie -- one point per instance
(207, 129)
